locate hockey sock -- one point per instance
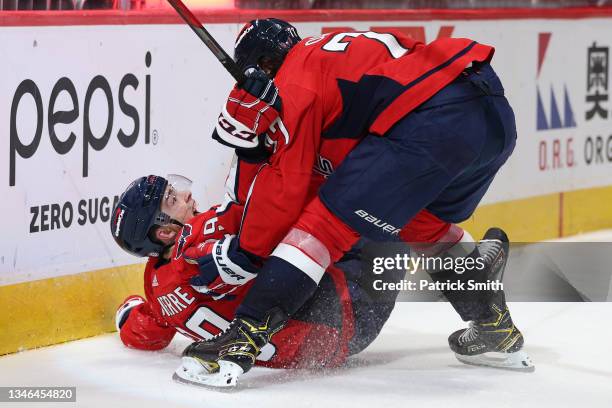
(278, 284)
(471, 304)
(457, 248)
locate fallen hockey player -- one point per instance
(157, 217)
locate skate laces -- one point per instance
(470, 334)
(223, 332)
(488, 249)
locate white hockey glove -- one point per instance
(221, 269)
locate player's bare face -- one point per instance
(178, 204)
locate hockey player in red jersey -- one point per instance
(410, 136)
(157, 217)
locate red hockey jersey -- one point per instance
(336, 89)
(172, 305)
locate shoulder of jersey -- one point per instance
(190, 234)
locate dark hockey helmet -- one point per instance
(138, 209)
(264, 41)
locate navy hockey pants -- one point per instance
(443, 156)
(371, 308)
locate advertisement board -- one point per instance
(85, 109)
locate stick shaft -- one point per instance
(207, 39)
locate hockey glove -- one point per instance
(250, 110)
(222, 266)
(123, 312)
(140, 327)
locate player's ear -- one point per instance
(165, 234)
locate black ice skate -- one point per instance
(494, 341)
(219, 362)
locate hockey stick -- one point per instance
(208, 40)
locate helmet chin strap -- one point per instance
(167, 220)
(175, 222)
(180, 224)
(171, 244)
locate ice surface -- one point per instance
(409, 365)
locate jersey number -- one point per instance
(338, 43)
(205, 315)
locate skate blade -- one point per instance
(193, 372)
(517, 361)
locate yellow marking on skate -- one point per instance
(509, 342)
(249, 339)
(500, 316)
(211, 366)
